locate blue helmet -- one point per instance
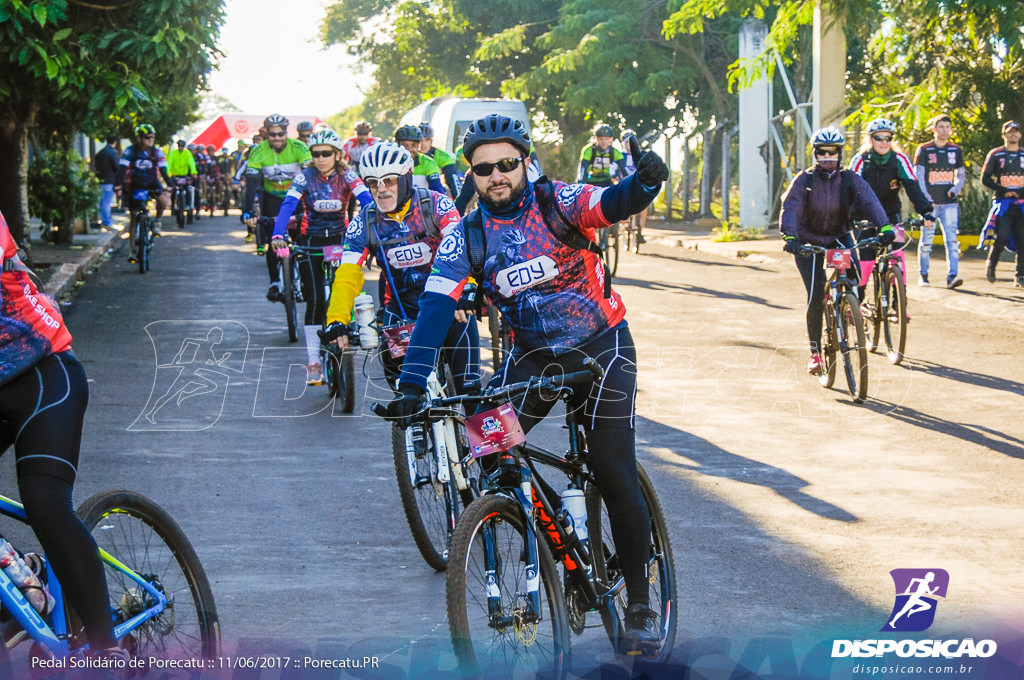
(495, 128)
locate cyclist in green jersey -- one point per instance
(271, 167)
(600, 162)
(442, 158)
(425, 174)
(182, 164)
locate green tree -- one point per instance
(70, 66)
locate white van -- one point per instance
(451, 116)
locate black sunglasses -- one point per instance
(832, 151)
(881, 138)
(504, 165)
(277, 134)
(322, 154)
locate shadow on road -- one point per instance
(700, 455)
(696, 290)
(975, 434)
(958, 374)
(707, 263)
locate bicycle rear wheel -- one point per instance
(288, 298)
(854, 347)
(180, 199)
(895, 319)
(495, 630)
(140, 534)
(661, 570)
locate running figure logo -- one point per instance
(194, 364)
(917, 593)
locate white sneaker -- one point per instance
(923, 282)
(314, 374)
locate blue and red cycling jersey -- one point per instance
(404, 243)
(551, 293)
(142, 166)
(324, 201)
(23, 306)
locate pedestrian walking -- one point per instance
(1004, 174)
(940, 170)
(105, 165)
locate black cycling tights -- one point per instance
(607, 415)
(41, 413)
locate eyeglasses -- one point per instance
(322, 154)
(826, 152)
(504, 165)
(372, 183)
(283, 133)
(881, 138)
(149, 136)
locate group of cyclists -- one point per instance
(822, 205)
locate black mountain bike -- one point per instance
(510, 610)
(288, 271)
(843, 329)
(144, 227)
(339, 365)
(886, 301)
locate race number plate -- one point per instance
(494, 431)
(901, 233)
(838, 259)
(397, 337)
(333, 253)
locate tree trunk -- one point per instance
(14, 129)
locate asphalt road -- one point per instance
(787, 504)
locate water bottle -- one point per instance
(23, 577)
(574, 503)
(363, 314)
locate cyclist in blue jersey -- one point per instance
(324, 191)
(561, 308)
(143, 165)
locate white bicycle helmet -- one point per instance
(881, 125)
(828, 136)
(325, 138)
(383, 159)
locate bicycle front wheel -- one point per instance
(854, 347)
(430, 504)
(895, 319)
(829, 343)
(661, 571)
(288, 298)
(496, 631)
(140, 534)
(141, 237)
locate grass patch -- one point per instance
(732, 232)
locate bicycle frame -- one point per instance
(55, 640)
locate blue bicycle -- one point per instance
(160, 599)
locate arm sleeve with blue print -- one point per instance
(291, 200)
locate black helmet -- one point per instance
(408, 133)
(492, 128)
(604, 130)
(426, 130)
(363, 128)
(304, 126)
(275, 120)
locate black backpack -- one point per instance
(554, 220)
(426, 207)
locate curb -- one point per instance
(723, 249)
(62, 283)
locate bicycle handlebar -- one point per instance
(809, 248)
(436, 409)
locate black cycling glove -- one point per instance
(332, 332)
(650, 169)
(791, 245)
(886, 236)
(467, 301)
(403, 407)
